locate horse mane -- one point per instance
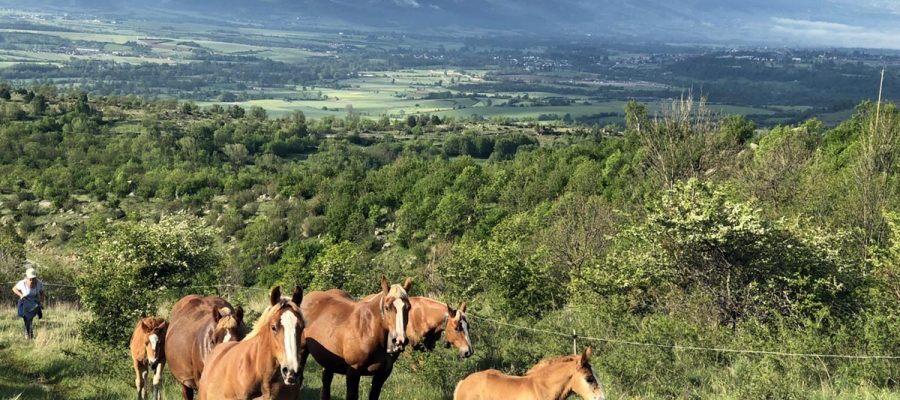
(260, 322)
(227, 321)
(549, 362)
(153, 322)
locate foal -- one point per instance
(267, 363)
(550, 379)
(147, 354)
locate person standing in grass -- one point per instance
(31, 295)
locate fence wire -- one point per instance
(575, 337)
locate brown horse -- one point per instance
(147, 354)
(197, 325)
(356, 338)
(267, 363)
(550, 379)
(429, 319)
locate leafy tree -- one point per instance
(131, 263)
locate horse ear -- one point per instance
(216, 315)
(385, 287)
(451, 312)
(297, 297)
(462, 307)
(586, 356)
(163, 326)
(275, 295)
(407, 285)
(239, 314)
(145, 326)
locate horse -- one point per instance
(356, 338)
(266, 364)
(550, 379)
(196, 326)
(147, 354)
(429, 319)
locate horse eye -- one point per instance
(589, 379)
(274, 328)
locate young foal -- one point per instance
(267, 363)
(550, 379)
(356, 338)
(147, 354)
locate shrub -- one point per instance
(130, 264)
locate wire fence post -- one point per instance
(574, 343)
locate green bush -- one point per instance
(131, 264)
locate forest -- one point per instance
(683, 227)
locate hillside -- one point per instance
(691, 229)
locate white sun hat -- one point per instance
(30, 273)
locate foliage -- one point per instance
(131, 264)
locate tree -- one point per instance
(736, 129)
(237, 153)
(38, 106)
(131, 264)
(698, 241)
(676, 145)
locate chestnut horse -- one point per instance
(356, 338)
(147, 354)
(429, 319)
(266, 364)
(196, 325)
(550, 379)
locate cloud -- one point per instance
(825, 33)
(408, 3)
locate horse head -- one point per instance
(284, 321)
(584, 382)
(395, 308)
(154, 329)
(457, 332)
(229, 327)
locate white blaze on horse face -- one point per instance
(289, 323)
(465, 327)
(227, 336)
(154, 341)
(599, 394)
(400, 327)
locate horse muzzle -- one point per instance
(291, 377)
(466, 353)
(397, 344)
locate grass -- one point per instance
(58, 364)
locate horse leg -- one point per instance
(352, 385)
(158, 382)
(187, 393)
(378, 381)
(327, 376)
(138, 378)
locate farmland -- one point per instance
(325, 72)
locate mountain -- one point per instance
(844, 23)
